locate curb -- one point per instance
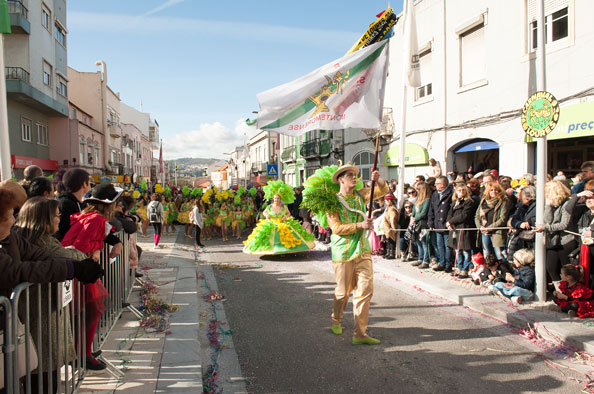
(551, 325)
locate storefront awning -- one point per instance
(475, 145)
(575, 121)
(415, 155)
(24, 162)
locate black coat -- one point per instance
(439, 208)
(68, 205)
(524, 213)
(461, 215)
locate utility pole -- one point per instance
(541, 160)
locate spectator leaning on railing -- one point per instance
(20, 261)
(491, 215)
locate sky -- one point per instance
(197, 65)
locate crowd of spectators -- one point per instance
(482, 227)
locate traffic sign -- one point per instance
(272, 170)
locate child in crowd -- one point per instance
(88, 230)
(519, 286)
(495, 271)
(573, 297)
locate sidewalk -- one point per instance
(555, 326)
(157, 362)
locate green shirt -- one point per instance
(350, 246)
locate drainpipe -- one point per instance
(106, 149)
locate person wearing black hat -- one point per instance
(87, 234)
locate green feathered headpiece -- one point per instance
(253, 192)
(168, 191)
(241, 191)
(319, 195)
(196, 192)
(186, 191)
(285, 191)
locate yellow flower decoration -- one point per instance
(287, 237)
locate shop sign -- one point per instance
(540, 114)
(24, 161)
(415, 155)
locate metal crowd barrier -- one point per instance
(43, 336)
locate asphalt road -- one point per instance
(279, 310)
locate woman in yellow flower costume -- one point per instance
(279, 233)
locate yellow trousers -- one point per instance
(354, 276)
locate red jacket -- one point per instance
(87, 232)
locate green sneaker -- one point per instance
(337, 329)
(365, 341)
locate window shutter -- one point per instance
(550, 7)
(472, 56)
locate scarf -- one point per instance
(492, 203)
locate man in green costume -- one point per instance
(351, 254)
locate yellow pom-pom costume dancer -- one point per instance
(279, 233)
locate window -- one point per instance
(89, 152)
(26, 129)
(84, 119)
(42, 134)
(426, 88)
(364, 160)
(60, 34)
(81, 152)
(74, 114)
(473, 64)
(47, 74)
(556, 15)
(96, 162)
(46, 17)
(61, 87)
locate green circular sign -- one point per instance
(540, 114)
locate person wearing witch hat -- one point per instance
(351, 253)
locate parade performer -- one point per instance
(225, 216)
(279, 233)
(339, 200)
(238, 223)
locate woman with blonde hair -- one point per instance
(491, 215)
(560, 214)
(419, 220)
(461, 216)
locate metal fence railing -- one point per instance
(43, 329)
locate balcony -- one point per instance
(19, 17)
(288, 154)
(114, 129)
(18, 88)
(310, 149)
(117, 169)
(325, 147)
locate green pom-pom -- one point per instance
(143, 186)
(285, 191)
(186, 190)
(241, 191)
(253, 192)
(237, 200)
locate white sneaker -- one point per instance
(155, 246)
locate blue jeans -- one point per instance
(444, 253)
(464, 260)
(423, 250)
(488, 247)
(513, 291)
(403, 245)
(432, 243)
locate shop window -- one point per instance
(473, 63)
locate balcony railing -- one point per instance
(17, 73)
(325, 147)
(310, 149)
(17, 7)
(259, 167)
(288, 154)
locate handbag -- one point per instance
(22, 353)
(527, 235)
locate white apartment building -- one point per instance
(478, 67)
(136, 146)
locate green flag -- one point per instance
(4, 18)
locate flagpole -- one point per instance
(5, 162)
(377, 144)
(402, 159)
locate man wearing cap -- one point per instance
(351, 253)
